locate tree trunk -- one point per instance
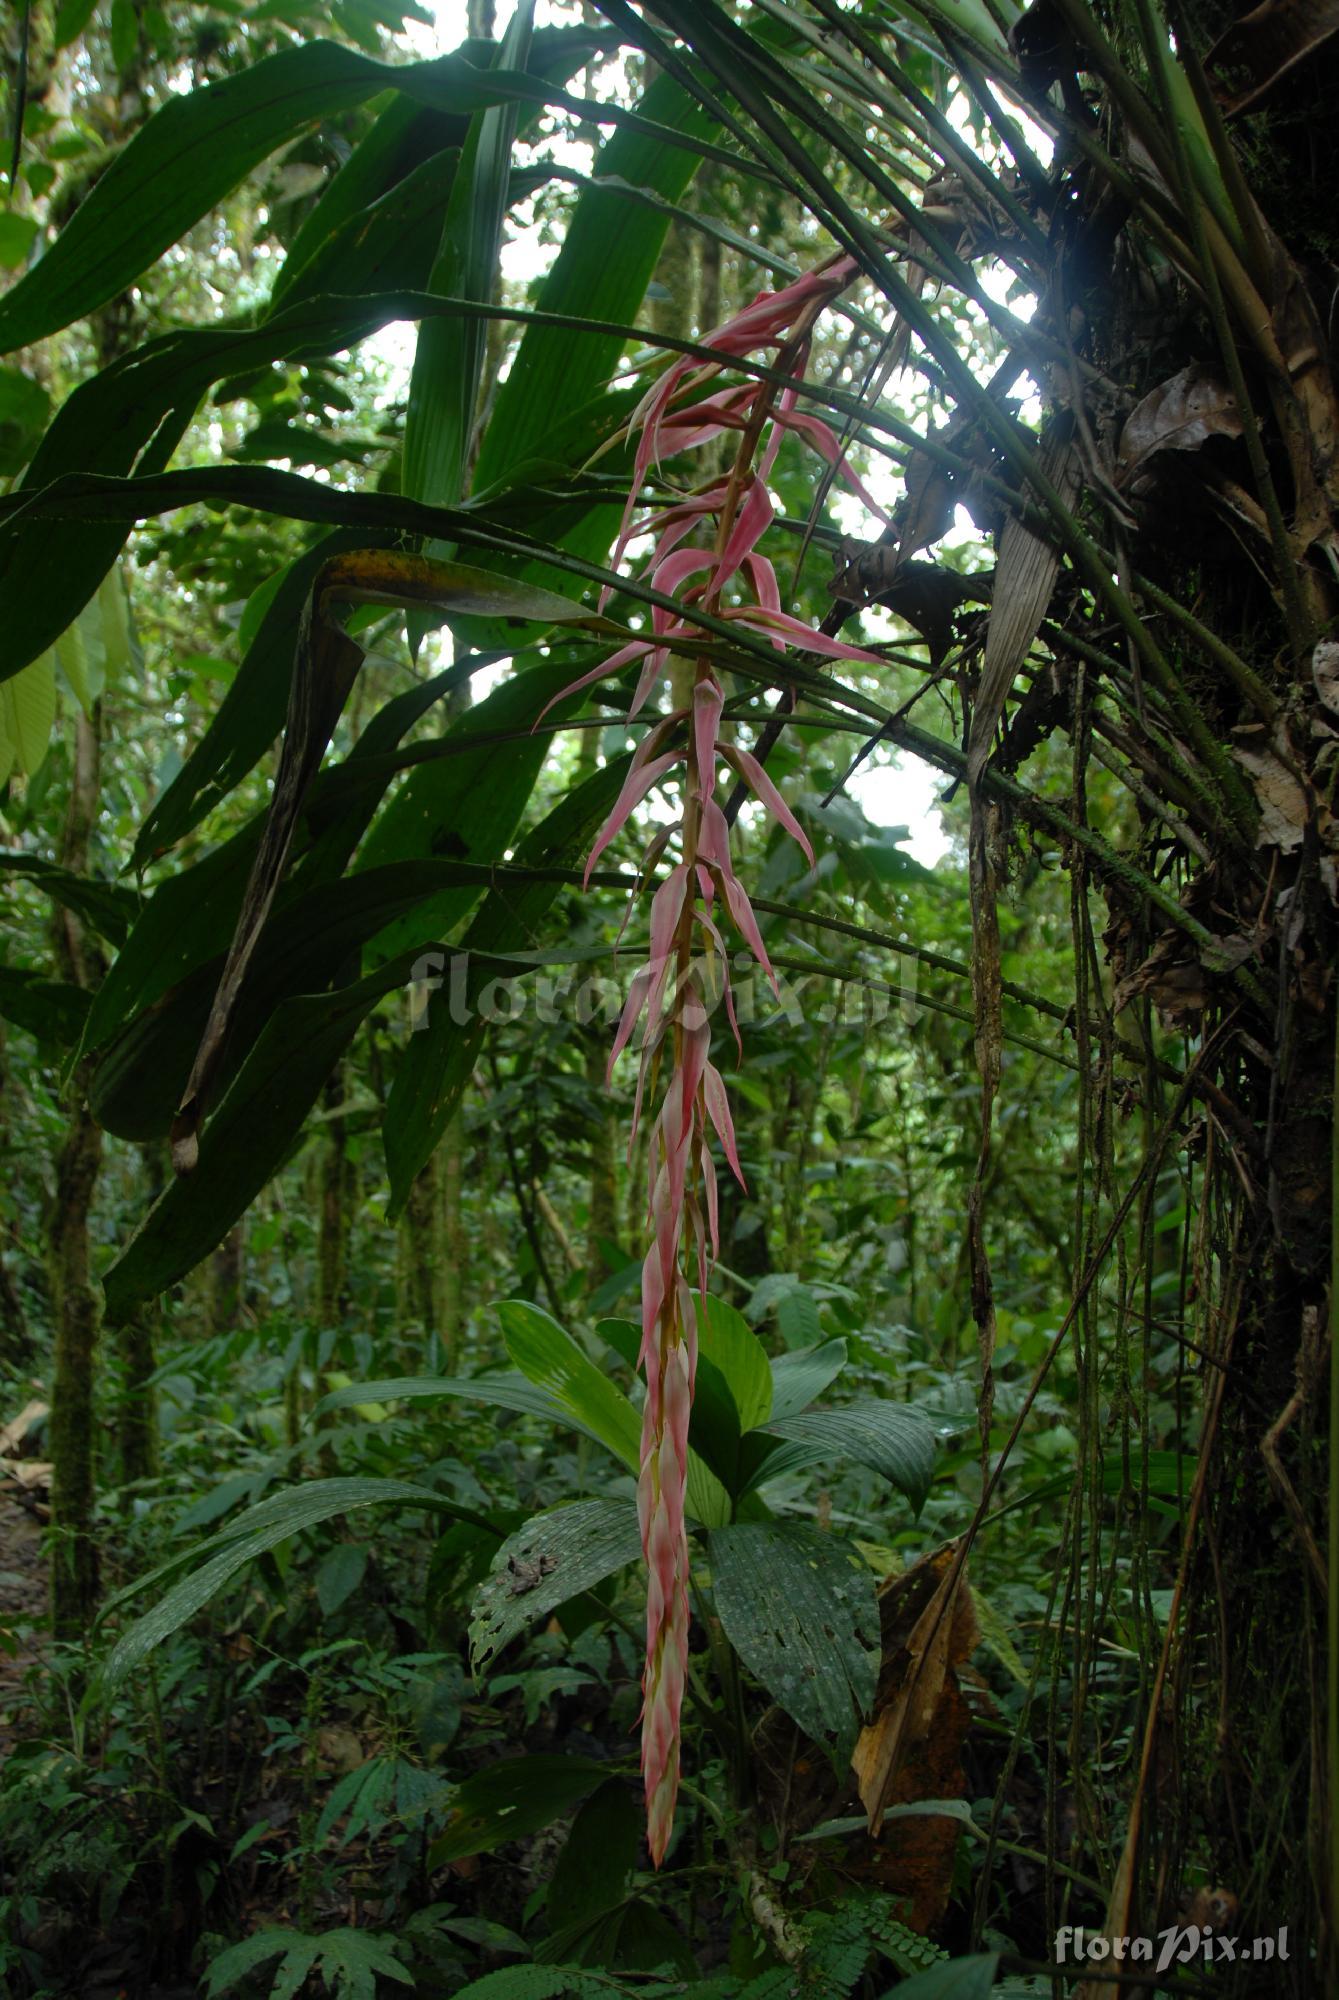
(227, 1272)
(74, 1303)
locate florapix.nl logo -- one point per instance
(468, 987)
(1179, 1944)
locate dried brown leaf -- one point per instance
(1024, 580)
(942, 1636)
(1181, 414)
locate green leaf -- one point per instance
(733, 1392)
(551, 1559)
(238, 1544)
(52, 1009)
(522, 1982)
(28, 712)
(124, 34)
(449, 357)
(382, 211)
(548, 1356)
(246, 1139)
(892, 1439)
(340, 1574)
(105, 905)
(349, 1962)
(72, 17)
(608, 255)
(192, 152)
(507, 1391)
(633, 1936)
(799, 1608)
(17, 235)
(797, 1318)
(466, 805)
(24, 408)
(725, 1337)
(601, 273)
(954, 1979)
(307, 942)
(512, 1798)
(799, 1377)
(595, 1869)
(251, 713)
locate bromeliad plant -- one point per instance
(677, 989)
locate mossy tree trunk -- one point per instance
(74, 1302)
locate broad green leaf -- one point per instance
(548, 1356)
(798, 1378)
(733, 1392)
(506, 1391)
(633, 1935)
(524, 1982)
(467, 805)
(799, 1608)
(246, 1139)
(194, 150)
(511, 1798)
(954, 1979)
(595, 1869)
(108, 906)
(601, 273)
(52, 1009)
(890, 1438)
(72, 17)
(340, 1574)
(439, 1057)
(28, 712)
(248, 1536)
(551, 1559)
(725, 1337)
(797, 1317)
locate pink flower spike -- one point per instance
(747, 924)
(666, 908)
(713, 1201)
(635, 787)
(653, 666)
(824, 441)
(802, 636)
(670, 573)
(632, 1013)
(751, 523)
(762, 787)
(762, 577)
(713, 841)
(609, 666)
(718, 1108)
(707, 704)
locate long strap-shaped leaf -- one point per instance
(196, 149)
(326, 663)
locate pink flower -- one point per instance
(670, 993)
